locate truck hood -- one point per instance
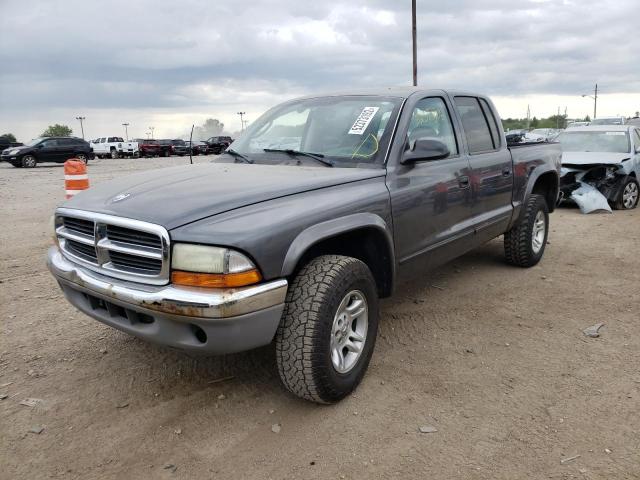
(593, 158)
(175, 196)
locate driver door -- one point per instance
(49, 151)
(431, 200)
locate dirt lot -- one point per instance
(492, 356)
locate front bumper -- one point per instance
(195, 319)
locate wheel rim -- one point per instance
(539, 229)
(349, 331)
(29, 161)
(630, 195)
(82, 158)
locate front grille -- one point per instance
(124, 260)
(114, 246)
(79, 225)
(136, 237)
(83, 250)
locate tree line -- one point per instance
(554, 121)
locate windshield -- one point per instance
(613, 142)
(35, 141)
(348, 130)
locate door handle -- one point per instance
(506, 172)
(463, 181)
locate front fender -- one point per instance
(331, 228)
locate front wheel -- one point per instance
(29, 161)
(524, 244)
(328, 329)
(114, 154)
(629, 195)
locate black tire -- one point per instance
(113, 154)
(520, 242)
(629, 195)
(304, 336)
(29, 161)
(82, 157)
(16, 164)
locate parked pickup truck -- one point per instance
(323, 206)
(114, 147)
(148, 148)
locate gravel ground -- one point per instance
(491, 356)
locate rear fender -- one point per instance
(535, 174)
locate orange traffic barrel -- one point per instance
(75, 177)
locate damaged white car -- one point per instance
(600, 167)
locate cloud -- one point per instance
(187, 60)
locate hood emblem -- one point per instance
(120, 197)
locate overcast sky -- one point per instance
(171, 64)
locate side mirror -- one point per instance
(425, 149)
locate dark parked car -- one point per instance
(199, 148)
(5, 143)
(274, 242)
(48, 149)
(218, 144)
(173, 147)
(148, 148)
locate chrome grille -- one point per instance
(115, 246)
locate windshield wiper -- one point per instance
(235, 154)
(316, 156)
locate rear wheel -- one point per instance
(629, 195)
(114, 154)
(525, 243)
(82, 157)
(328, 330)
(29, 161)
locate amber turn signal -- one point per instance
(215, 280)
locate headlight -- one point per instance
(14, 151)
(214, 267)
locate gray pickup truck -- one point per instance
(322, 207)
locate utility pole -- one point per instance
(126, 132)
(152, 129)
(595, 100)
(81, 126)
(241, 120)
(558, 119)
(415, 44)
(528, 117)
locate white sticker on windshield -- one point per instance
(615, 133)
(363, 120)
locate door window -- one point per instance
(493, 124)
(476, 128)
(431, 119)
(49, 143)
